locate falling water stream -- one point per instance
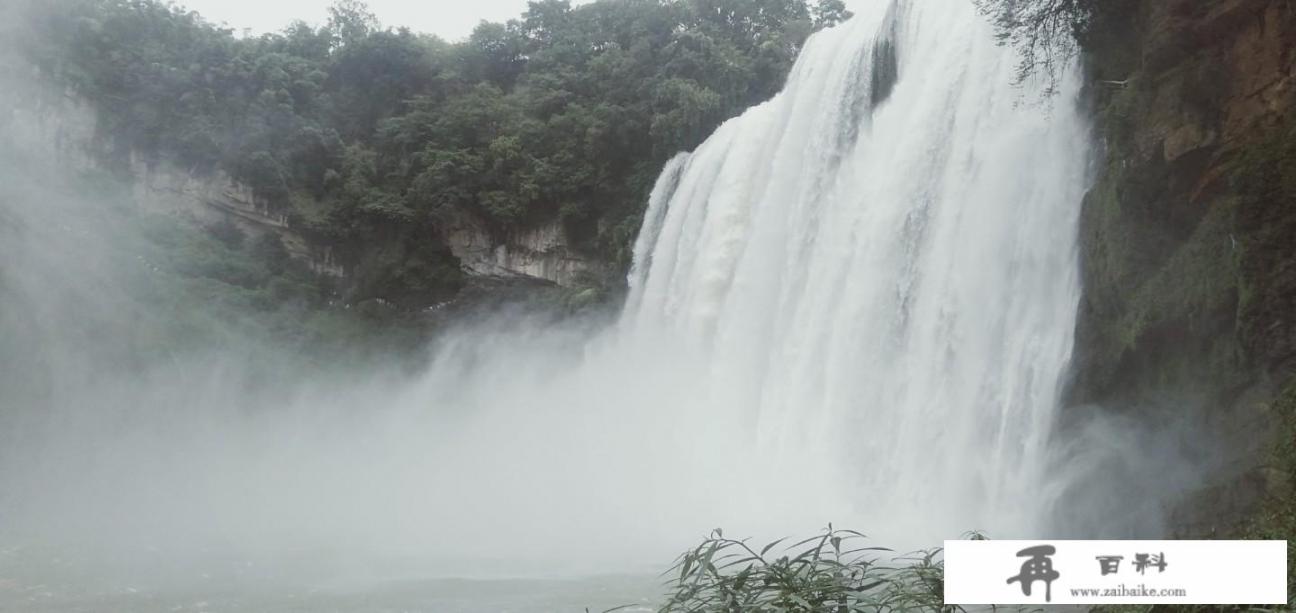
(879, 267)
(855, 303)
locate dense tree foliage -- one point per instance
(373, 139)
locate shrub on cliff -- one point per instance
(1050, 33)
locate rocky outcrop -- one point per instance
(66, 130)
(540, 253)
(1189, 260)
(543, 252)
(216, 197)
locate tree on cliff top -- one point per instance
(367, 137)
(1043, 31)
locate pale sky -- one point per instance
(451, 19)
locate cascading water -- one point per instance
(853, 304)
(880, 267)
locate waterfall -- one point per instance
(852, 304)
(879, 267)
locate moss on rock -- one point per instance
(1188, 256)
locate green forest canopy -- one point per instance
(372, 138)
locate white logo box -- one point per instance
(1137, 572)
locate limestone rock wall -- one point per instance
(540, 253)
(64, 130)
(216, 197)
(1187, 311)
(543, 252)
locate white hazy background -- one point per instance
(450, 19)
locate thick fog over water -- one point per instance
(853, 304)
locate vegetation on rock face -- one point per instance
(1174, 255)
(374, 140)
(1050, 33)
(1266, 221)
(1188, 291)
(1277, 517)
(1187, 283)
(1188, 262)
(1265, 225)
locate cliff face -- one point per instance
(67, 130)
(217, 198)
(1189, 234)
(543, 252)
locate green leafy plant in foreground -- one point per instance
(832, 573)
